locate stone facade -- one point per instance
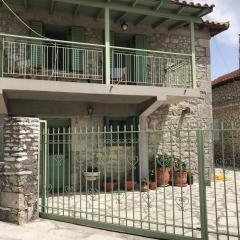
(226, 110)
(19, 171)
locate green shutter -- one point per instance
(141, 63)
(77, 34)
(36, 55)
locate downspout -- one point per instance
(143, 138)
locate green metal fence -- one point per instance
(95, 177)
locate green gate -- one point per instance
(108, 188)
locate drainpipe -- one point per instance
(143, 138)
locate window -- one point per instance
(115, 131)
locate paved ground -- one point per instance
(170, 209)
(52, 230)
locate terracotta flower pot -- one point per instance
(153, 185)
(144, 188)
(129, 184)
(180, 179)
(163, 177)
(110, 186)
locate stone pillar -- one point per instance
(19, 170)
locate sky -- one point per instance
(225, 46)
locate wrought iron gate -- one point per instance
(111, 187)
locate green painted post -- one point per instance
(194, 75)
(1, 62)
(107, 45)
(202, 186)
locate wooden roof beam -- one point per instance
(25, 2)
(119, 17)
(51, 7)
(76, 10)
(139, 19)
(159, 5)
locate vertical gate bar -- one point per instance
(215, 193)
(118, 174)
(111, 168)
(80, 170)
(224, 176)
(73, 157)
(47, 164)
(164, 187)
(58, 170)
(106, 135)
(69, 170)
(202, 187)
(133, 177)
(180, 156)
(190, 167)
(125, 174)
(92, 182)
(86, 167)
(140, 180)
(98, 165)
(53, 165)
(155, 173)
(235, 131)
(63, 171)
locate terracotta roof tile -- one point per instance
(192, 4)
(215, 27)
(226, 78)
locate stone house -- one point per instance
(226, 115)
(81, 64)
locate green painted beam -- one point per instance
(159, 5)
(51, 7)
(178, 12)
(76, 10)
(107, 45)
(194, 72)
(99, 14)
(158, 23)
(130, 9)
(135, 3)
(177, 25)
(25, 2)
(120, 16)
(140, 19)
(203, 12)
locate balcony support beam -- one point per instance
(138, 10)
(192, 33)
(107, 44)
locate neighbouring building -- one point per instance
(98, 64)
(226, 107)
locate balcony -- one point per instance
(56, 60)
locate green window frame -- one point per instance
(113, 137)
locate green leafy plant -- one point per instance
(144, 182)
(164, 160)
(92, 169)
(180, 166)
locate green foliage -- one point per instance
(92, 169)
(144, 182)
(164, 160)
(180, 166)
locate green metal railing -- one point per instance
(43, 58)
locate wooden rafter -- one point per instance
(139, 19)
(120, 16)
(159, 5)
(25, 2)
(76, 10)
(51, 7)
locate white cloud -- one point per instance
(226, 10)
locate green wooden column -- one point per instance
(107, 45)
(1, 62)
(194, 74)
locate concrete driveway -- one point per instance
(52, 230)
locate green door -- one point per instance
(59, 145)
(140, 60)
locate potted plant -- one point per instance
(152, 181)
(91, 173)
(110, 184)
(180, 174)
(163, 163)
(144, 185)
(129, 182)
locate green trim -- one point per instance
(194, 73)
(116, 228)
(136, 10)
(107, 46)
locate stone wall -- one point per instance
(19, 171)
(226, 112)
